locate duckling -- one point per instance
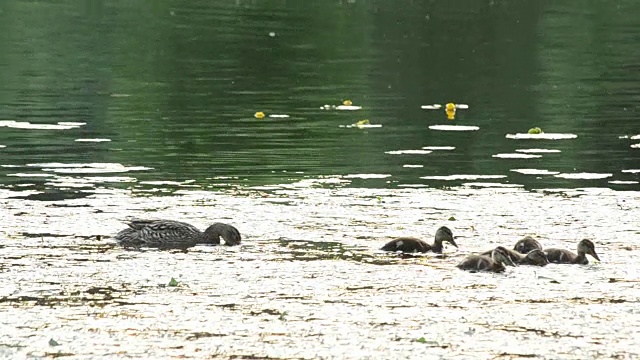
(562, 256)
(534, 257)
(169, 234)
(495, 263)
(526, 244)
(411, 244)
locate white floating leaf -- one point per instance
(535, 171)
(545, 136)
(538, 150)
(399, 152)
(516, 156)
(583, 175)
(454, 127)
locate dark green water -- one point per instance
(174, 86)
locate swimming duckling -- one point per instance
(169, 234)
(411, 244)
(562, 256)
(534, 257)
(526, 244)
(495, 263)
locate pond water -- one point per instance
(114, 110)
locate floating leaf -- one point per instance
(173, 282)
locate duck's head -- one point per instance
(444, 234)
(501, 255)
(537, 257)
(230, 234)
(587, 247)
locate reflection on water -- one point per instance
(184, 106)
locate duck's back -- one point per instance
(158, 233)
(407, 244)
(480, 263)
(560, 256)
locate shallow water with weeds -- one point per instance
(309, 282)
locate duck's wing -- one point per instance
(157, 233)
(560, 256)
(406, 244)
(476, 263)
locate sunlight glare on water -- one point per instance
(308, 280)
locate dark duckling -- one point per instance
(534, 257)
(411, 244)
(526, 244)
(495, 263)
(562, 256)
(169, 234)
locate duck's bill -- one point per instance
(453, 242)
(595, 256)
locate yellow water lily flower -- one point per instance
(347, 102)
(259, 115)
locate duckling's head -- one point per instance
(501, 255)
(537, 257)
(445, 234)
(230, 234)
(587, 247)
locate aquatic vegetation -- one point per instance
(535, 130)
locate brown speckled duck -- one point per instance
(169, 234)
(495, 263)
(562, 256)
(534, 257)
(411, 244)
(526, 244)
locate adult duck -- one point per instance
(562, 256)
(534, 257)
(496, 263)
(526, 244)
(169, 234)
(411, 244)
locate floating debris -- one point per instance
(93, 140)
(439, 147)
(28, 125)
(535, 171)
(412, 152)
(346, 105)
(545, 136)
(367, 176)
(173, 282)
(493, 185)
(538, 150)
(463, 177)
(583, 175)
(454, 127)
(449, 108)
(362, 124)
(516, 156)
